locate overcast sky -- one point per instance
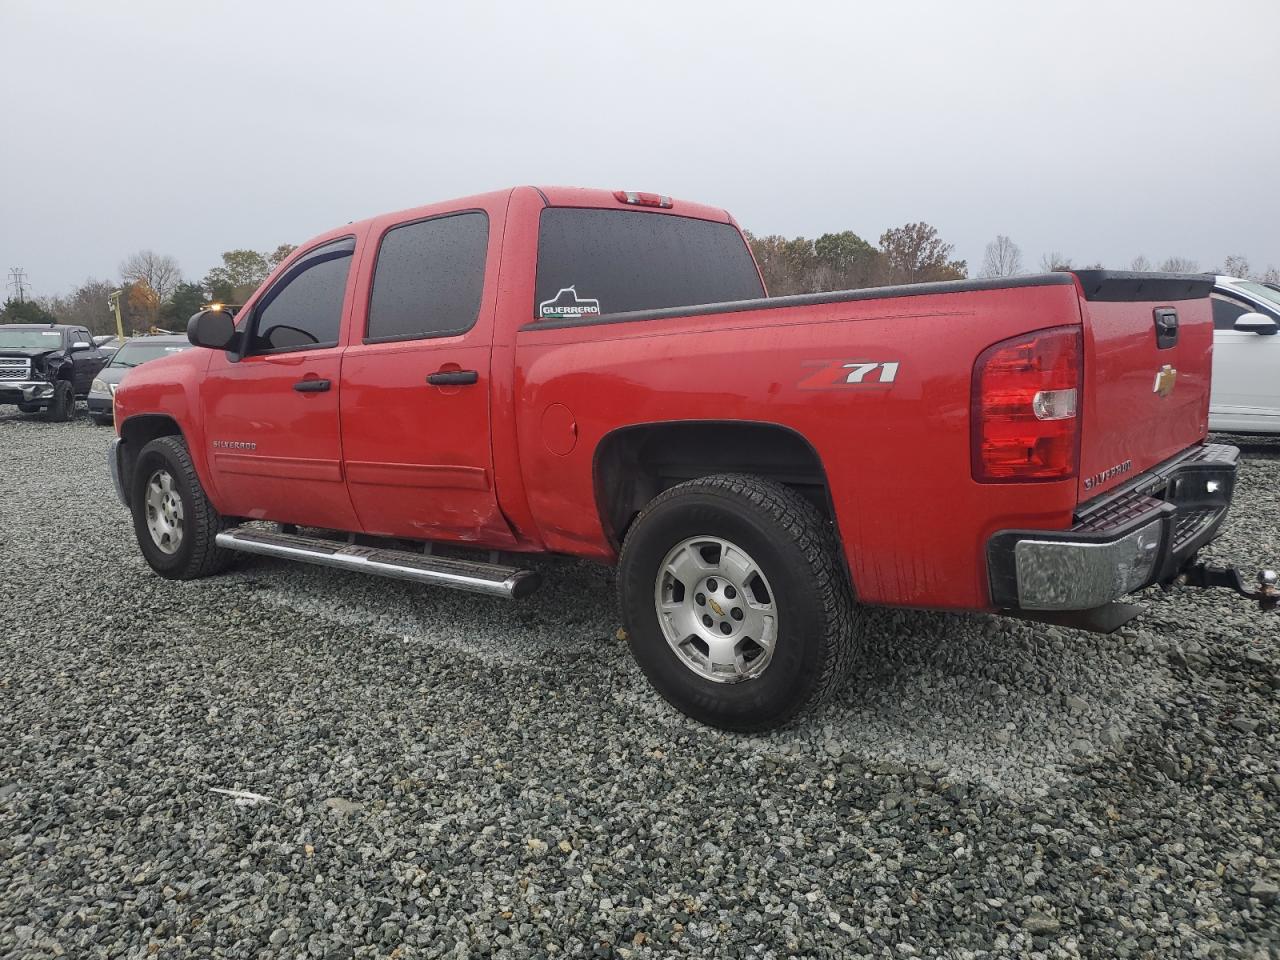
(1101, 130)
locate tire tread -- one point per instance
(814, 534)
(206, 558)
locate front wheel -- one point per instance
(175, 523)
(736, 604)
(63, 403)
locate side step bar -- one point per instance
(486, 578)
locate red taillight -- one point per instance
(642, 199)
(1026, 423)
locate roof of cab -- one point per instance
(552, 196)
(589, 197)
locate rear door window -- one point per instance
(429, 278)
(594, 263)
(303, 309)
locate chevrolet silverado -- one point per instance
(429, 394)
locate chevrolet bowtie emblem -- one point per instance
(716, 607)
(1165, 381)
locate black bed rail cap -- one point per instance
(1123, 285)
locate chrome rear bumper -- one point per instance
(1145, 532)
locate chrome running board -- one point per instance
(487, 578)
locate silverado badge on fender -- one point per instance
(1166, 379)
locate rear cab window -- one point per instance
(594, 263)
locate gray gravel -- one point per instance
(293, 762)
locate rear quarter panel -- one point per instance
(913, 522)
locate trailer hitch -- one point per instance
(1206, 576)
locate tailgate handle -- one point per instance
(1166, 327)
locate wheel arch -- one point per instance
(634, 464)
(136, 432)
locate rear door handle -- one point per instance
(452, 378)
(311, 386)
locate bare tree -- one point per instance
(1053, 261)
(158, 271)
(1271, 276)
(1140, 264)
(1236, 265)
(1003, 258)
(1179, 265)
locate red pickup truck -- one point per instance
(602, 375)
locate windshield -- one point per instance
(30, 339)
(132, 354)
(1261, 290)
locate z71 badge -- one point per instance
(849, 373)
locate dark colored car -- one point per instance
(130, 354)
(47, 367)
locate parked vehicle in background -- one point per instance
(1246, 357)
(602, 375)
(108, 342)
(47, 367)
(132, 354)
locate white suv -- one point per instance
(1246, 357)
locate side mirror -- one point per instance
(214, 329)
(81, 345)
(1258, 323)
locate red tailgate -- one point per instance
(1146, 388)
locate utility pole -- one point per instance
(18, 280)
(113, 302)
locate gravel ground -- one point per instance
(436, 775)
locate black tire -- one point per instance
(28, 408)
(103, 421)
(63, 403)
(797, 552)
(197, 554)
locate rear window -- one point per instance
(593, 263)
(429, 278)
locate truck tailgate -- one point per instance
(1148, 352)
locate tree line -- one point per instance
(914, 253)
(154, 293)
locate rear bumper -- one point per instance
(25, 391)
(1143, 533)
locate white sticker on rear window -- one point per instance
(50, 333)
(567, 305)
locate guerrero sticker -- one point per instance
(567, 305)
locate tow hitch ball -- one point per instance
(1203, 575)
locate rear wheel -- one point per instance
(173, 519)
(736, 605)
(63, 403)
